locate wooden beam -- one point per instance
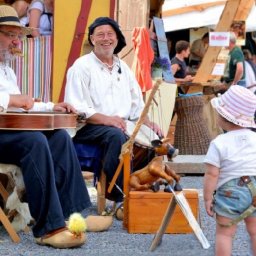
(192, 8)
(244, 9)
(234, 10)
(131, 14)
(75, 49)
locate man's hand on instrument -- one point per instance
(115, 121)
(155, 127)
(21, 101)
(64, 107)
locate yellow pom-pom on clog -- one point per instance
(76, 224)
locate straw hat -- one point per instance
(9, 17)
(237, 105)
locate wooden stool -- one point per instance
(101, 192)
(101, 189)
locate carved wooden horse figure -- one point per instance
(150, 176)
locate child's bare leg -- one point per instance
(224, 237)
(251, 229)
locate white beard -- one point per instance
(6, 57)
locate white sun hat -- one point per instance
(237, 105)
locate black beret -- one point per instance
(108, 21)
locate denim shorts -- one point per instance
(242, 83)
(231, 199)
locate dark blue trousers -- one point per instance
(110, 139)
(52, 175)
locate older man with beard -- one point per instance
(51, 171)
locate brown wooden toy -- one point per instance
(156, 170)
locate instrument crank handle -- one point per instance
(81, 117)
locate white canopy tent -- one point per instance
(184, 14)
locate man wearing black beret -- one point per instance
(103, 86)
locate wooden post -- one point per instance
(127, 147)
(234, 10)
(127, 170)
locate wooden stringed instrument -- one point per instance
(12, 120)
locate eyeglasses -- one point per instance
(103, 35)
(12, 36)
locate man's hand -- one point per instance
(64, 107)
(115, 121)
(21, 101)
(155, 127)
(188, 78)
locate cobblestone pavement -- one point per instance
(116, 241)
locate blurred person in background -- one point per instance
(40, 17)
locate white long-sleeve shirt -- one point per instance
(91, 88)
(8, 85)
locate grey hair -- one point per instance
(232, 38)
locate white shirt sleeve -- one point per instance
(36, 5)
(137, 99)
(77, 91)
(4, 100)
(213, 155)
(8, 86)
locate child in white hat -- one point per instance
(230, 179)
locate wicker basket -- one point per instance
(191, 133)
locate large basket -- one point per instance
(191, 133)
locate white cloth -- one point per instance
(24, 21)
(8, 85)
(45, 23)
(249, 76)
(234, 154)
(91, 88)
(13, 202)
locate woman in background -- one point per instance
(21, 7)
(40, 17)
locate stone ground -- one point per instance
(116, 241)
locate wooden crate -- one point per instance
(147, 209)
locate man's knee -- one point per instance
(37, 138)
(116, 136)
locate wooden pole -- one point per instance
(128, 146)
(233, 10)
(8, 226)
(167, 217)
